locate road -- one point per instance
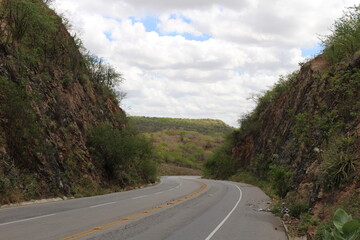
(183, 208)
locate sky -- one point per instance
(200, 58)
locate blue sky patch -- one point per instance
(151, 25)
(311, 52)
(201, 38)
(179, 16)
(113, 18)
(239, 72)
(189, 36)
(109, 36)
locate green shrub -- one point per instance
(343, 227)
(320, 232)
(27, 19)
(29, 23)
(220, 164)
(249, 122)
(305, 222)
(297, 208)
(351, 203)
(280, 179)
(125, 155)
(302, 127)
(344, 40)
(102, 73)
(276, 208)
(23, 130)
(260, 166)
(4, 188)
(31, 187)
(246, 176)
(338, 166)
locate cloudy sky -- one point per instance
(200, 58)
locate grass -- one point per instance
(344, 39)
(249, 178)
(182, 148)
(339, 164)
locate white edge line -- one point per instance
(226, 218)
(100, 205)
(27, 219)
(139, 197)
(178, 186)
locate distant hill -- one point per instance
(182, 145)
(186, 149)
(209, 127)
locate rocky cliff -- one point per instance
(313, 120)
(51, 96)
(303, 137)
(307, 137)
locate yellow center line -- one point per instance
(138, 215)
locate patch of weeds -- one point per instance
(298, 207)
(4, 188)
(351, 203)
(66, 80)
(339, 165)
(277, 209)
(74, 190)
(280, 179)
(249, 178)
(305, 222)
(320, 232)
(343, 41)
(84, 79)
(31, 187)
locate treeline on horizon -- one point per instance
(205, 126)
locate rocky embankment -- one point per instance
(52, 93)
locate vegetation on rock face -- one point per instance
(125, 155)
(59, 113)
(302, 139)
(219, 164)
(344, 39)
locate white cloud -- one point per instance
(176, 25)
(204, 58)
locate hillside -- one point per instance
(302, 140)
(182, 152)
(59, 113)
(205, 126)
(182, 145)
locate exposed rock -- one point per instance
(303, 128)
(43, 144)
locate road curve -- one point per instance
(183, 208)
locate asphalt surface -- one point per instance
(183, 208)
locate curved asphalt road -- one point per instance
(179, 208)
